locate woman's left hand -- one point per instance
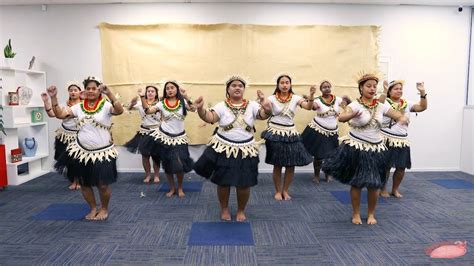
(420, 86)
(105, 90)
(264, 102)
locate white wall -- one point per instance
(470, 96)
(467, 149)
(422, 43)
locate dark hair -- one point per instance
(227, 95)
(89, 80)
(321, 85)
(156, 90)
(179, 96)
(74, 85)
(278, 82)
(391, 87)
(361, 84)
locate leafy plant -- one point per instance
(8, 52)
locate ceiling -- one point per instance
(361, 2)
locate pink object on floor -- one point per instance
(447, 250)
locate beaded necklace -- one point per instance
(95, 109)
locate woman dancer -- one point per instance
(396, 135)
(360, 161)
(92, 154)
(231, 158)
(171, 142)
(320, 137)
(66, 133)
(142, 141)
(283, 143)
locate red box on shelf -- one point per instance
(16, 155)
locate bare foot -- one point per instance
(181, 193)
(156, 179)
(102, 215)
(225, 214)
(371, 220)
(72, 186)
(278, 196)
(78, 187)
(147, 179)
(286, 196)
(356, 219)
(240, 216)
(384, 194)
(316, 179)
(328, 178)
(91, 215)
(397, 194)
(171, 193)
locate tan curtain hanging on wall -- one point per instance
(201, 57)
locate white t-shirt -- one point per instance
(329, 122)
(172, 122)
(148, 120)
(370, 133)
(226, 117)
(396, 128)
(69, 122)
(92, 137)
(279, 110)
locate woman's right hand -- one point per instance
(44, 97)
(52, 91)
(141, 92)
(199, 103)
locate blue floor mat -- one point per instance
(453, 183)
(63, 211)
(344, 196)
(221, 234)
(187, 187)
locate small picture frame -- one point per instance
(16, 155)
(13, 98)
(36, 116)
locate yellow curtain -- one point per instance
(202, 57)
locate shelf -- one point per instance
(15, 180)
(27, 71)
(29, 159)
(26, 125)
(24, 106)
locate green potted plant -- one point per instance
(8, 53)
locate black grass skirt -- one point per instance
(317, 144)
(358, 168)
(399, 157)
(143, 144)
(175, 159)
(93, 174)
(60, 156)
(223, 171)
(285, 150)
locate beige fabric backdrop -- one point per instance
(202, 57)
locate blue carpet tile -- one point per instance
(221, 234)
(63, 211)
(187, 187)
(454, 183)
(344, 197)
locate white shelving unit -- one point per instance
(18, 124)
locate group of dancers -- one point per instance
(377, 140)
